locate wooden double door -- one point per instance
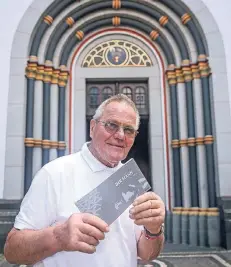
(97, 92)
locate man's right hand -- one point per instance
(81, 232)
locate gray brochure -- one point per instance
(112, 197)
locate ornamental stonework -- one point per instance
(117, 53)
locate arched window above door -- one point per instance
(117, 53)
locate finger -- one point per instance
(150, 204)
(146, 214)
(146, 196)
(151, 221)
(90, 240)
(92, 231)
(96, 222)
(83, 247)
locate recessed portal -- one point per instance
(98, 91)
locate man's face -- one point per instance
(110, 148)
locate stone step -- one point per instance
(227, 213)
(9, 204)
(227, 236)
(228, 226)
(225, 202)
(5, 227)
(8, 215)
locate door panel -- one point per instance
(98, 92)
(138, 92)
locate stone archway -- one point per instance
(157, 94)
(194, 182)
(19, 140)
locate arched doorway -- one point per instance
(140, 81)
(98, 91)
(185, 55)
(185, 142)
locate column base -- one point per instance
(8, 211)
(224, 204)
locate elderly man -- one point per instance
(49, 229)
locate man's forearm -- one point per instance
(150, 249)
(30, 246)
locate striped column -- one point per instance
(61, 110)
(178, 196)
(209, 139)
(37, 156)
(29, 143)
(186, 69)
(33, 73)
(203, 186)
(54, 114)
(183, 136)
(46, 111)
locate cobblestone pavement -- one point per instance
(177, 256)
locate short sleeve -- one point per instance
(38, 208)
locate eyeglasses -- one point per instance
(113, 127)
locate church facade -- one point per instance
(170, 57)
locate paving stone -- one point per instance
(226, 256)
(202, 261)
(175, 259)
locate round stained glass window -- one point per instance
(116, 55)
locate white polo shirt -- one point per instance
(51, 199)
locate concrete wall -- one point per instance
(10, 21)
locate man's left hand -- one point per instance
(148, 210)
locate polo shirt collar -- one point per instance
(94, 164)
